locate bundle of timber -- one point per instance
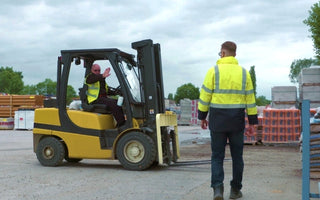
(11, 103)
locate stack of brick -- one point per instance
(257, 135)
(281, 125)
(11, 103)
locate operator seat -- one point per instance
(97, 108)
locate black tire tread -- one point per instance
(59, 151)
(150, 151)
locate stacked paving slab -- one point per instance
(186, 112)
(309, 86)
(284, 97)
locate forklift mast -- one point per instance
(149, 63)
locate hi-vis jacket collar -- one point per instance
(228, 60)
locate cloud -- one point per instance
(269, 35)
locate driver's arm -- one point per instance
(92, 78)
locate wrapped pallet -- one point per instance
(6, 123)
(284, 97)
(309, 86)
(185, 116)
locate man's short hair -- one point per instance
(229, 46)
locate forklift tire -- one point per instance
(136, 151)
(50, 151)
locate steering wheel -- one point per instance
(115, 91)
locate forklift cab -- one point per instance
(149, 135)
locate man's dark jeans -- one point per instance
(218, 144)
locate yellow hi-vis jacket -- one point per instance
(93, 91)
(227, 91)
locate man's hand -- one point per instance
(106, 73)
(250, 130)
(204, 124)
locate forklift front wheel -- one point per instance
(136, 151)
(50, 152)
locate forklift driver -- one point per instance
(98, 91)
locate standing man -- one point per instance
(98, 90)
(227, 92)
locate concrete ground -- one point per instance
(271, 172)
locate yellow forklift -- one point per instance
(148, 138)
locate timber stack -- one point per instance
(11, 103)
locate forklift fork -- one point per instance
(164, 154)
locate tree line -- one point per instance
(11, 83)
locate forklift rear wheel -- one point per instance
(136, 151)
(50, 151)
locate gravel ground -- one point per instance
(271, 172)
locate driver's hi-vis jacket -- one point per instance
(93, 91)
(227, 92)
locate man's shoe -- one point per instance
(218, 193)
(235, 193)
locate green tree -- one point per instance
(313, 22)
(298, 65)
(71, 93)
(170, 96)
(187, 91)
(29, 89)
(47, 87)
(262, 101)
(10, 81)
(253, 78)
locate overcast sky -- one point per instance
(270, 35)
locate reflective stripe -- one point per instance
(206, 89)
(92, 87)
(226, 91)
(204, 103)
(229, 92)
(244, 79)
(249, 92)
(91, 95)
(252, 105)
(216, 105)
(216, 82)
